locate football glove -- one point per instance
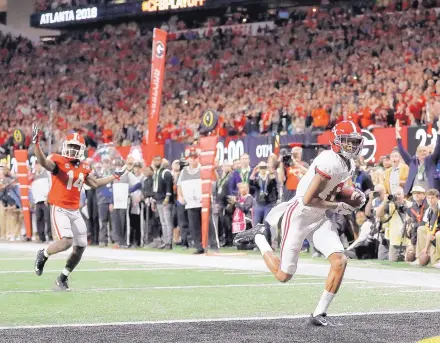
(119, 172)
(35, 133)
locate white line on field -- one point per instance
(102, 270)
(228, 319)
(384, 286)
(246, 273)
(87, 290)
(419, 290)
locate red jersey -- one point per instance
(67, 180)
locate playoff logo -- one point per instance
(160, 49)
(370, 146)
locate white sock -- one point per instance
(45, 253)
(65, 272)
(262, 244)
(324, 303)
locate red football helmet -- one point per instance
(346, 139)
(74, 146)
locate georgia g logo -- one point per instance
(369, 147)
(160, 50)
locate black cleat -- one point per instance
(248, 236)
(40, 261)
(321, 320)
(61, 285)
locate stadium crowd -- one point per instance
(373, 69)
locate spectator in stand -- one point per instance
(397, 174)
(240, 175)
(225, 217)
(291, 171)
(40, 186)
(135, 209)
(189, 190)
(241, 207)
(163, 196)
(104, 195)
(422, 167)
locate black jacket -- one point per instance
(222, 189)
(147, 187)
(257, 188)
(164, 180)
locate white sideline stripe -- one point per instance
(247, 273)
(98, 270)
(205, 320)
(384, 286)
(87, 290)
(420, 290)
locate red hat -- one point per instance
(193, 151)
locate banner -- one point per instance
(156, 84)
(377, 142)
(419, 136)
(259, 148)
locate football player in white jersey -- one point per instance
(305, 216)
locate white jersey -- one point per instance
(330, 165)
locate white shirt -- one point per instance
(40, 186)
(394, 179)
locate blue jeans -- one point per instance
(260, 213)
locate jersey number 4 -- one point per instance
(72, 183)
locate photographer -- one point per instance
(392, 213)
(428, 235)
(291, 171)
(264, 190)
(416, 212)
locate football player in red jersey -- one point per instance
(68, 175)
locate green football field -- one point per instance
(114, 291)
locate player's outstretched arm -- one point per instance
(45, 162)
(93, 182)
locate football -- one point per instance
(351, 196)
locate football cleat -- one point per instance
(248, 236)
(62, 285)
(40, 261)
(321, 320)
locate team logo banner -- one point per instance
(156, 84)
(208, 121)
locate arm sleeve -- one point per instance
(406, 157)
(324, 165)
(168, 179)
(436, 153)
(368, 183)
(135, 187)
(233, 184)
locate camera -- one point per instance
(286, 158)
(391, 198)
(183, 163)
